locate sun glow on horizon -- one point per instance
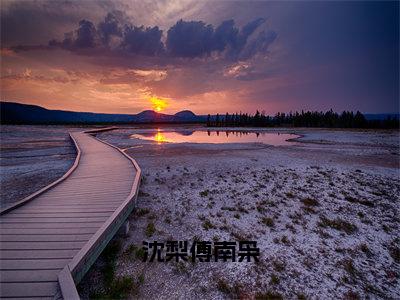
(158, 104)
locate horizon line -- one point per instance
(222, 114)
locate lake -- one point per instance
(216, 137)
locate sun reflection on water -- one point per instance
(160, 137)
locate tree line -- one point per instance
(329, 119)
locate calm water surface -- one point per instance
(217, 137)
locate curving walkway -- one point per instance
(49, 241)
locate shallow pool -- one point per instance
(216, 137)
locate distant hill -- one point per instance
(16, 113)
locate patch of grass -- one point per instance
(141, 279)
(289, 195)
(181, 267)
(309, 262)
(301, 296)
(310, 202)
(134, 251)
(142, 211)
(348, 266)
(364, 248)
(208, 225)
(362, 201)
(233, 291)
(109, 255)
(268, 296)
(204, 193)
(279, 266)
(240, 236)
(130, 250)
(386, 228)
(260, 209)
(143, 194)
(241, 209)
(140, 253)
(351, 295)
(115, 288)
(285, 240)
(150, 229)
(120, 288)
(338, 224)
(274, 279)
(223, 286)
(228, 208)
(268, 221)
(394, 252)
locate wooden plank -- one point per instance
(112, 177)
(29, 275)
(33, 298)
(37, 254)
(95, 203)
(41, 245)
(48, 226)
(33, 264)
(98, 183)
(49, 231)
(37, 289)
(45, 238)
(111, 198)
(94, 189)
(66, 206)
(59, 214)
(63, 210)
(91, 178)
(87, 193)
(83, 206)
(55, 220)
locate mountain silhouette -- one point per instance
(17, 113)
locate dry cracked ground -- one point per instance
(326, 223)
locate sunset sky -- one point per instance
(208, 57)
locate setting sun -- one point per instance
(158, 104)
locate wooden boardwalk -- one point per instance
(49, 241)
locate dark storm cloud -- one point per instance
(89, 36)
(226, 34)
(109, 27)
(141, 40)
(86, 35)
(197, 39)
(185, 39)
(190, 39)
(258, 45)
